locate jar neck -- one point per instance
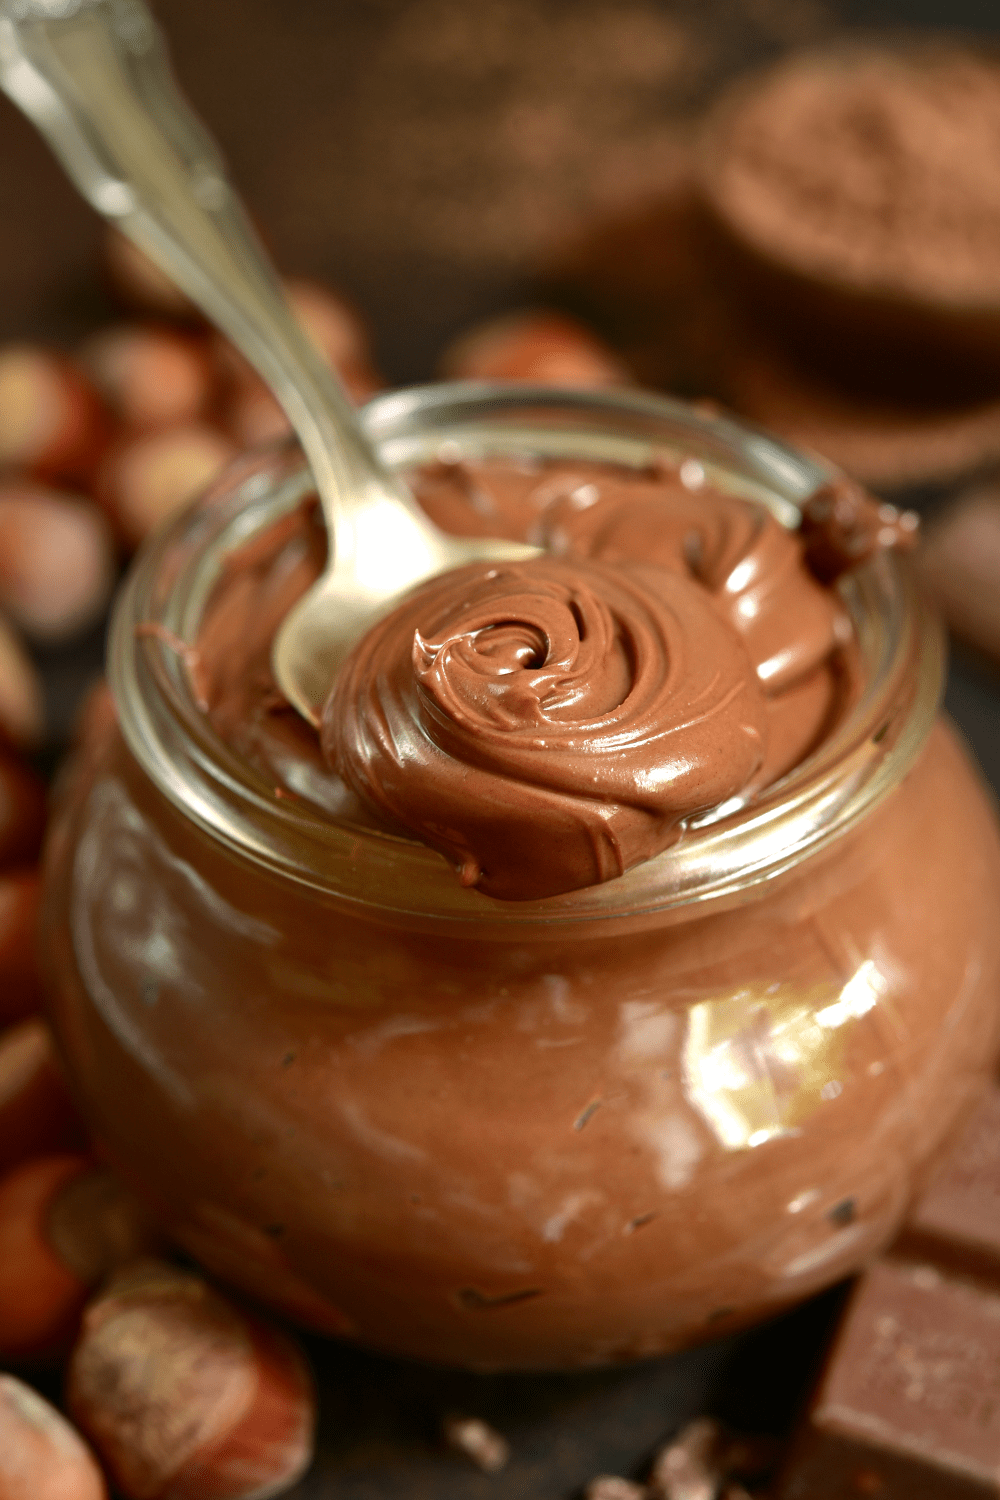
(822, 799)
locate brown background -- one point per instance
(428, 156)
(432, 158)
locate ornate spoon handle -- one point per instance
(94, 77)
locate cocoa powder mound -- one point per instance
(875, 169)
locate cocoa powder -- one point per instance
(877, 169)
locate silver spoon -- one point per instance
(94, 77)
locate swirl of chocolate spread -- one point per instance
(749, 563)
(549, 725)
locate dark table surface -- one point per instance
(429, 157)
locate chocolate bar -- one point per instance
(908, 1406)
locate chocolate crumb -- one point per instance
(611, 1487)
(688, 1468)
(705, 1462)
(488, 1449)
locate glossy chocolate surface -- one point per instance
(549, 724)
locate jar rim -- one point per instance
(725, 854)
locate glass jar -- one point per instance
(523, 1134)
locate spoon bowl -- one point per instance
(395, 551)
(94, 77)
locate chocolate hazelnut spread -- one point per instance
(549, 724)
(545, 1133)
